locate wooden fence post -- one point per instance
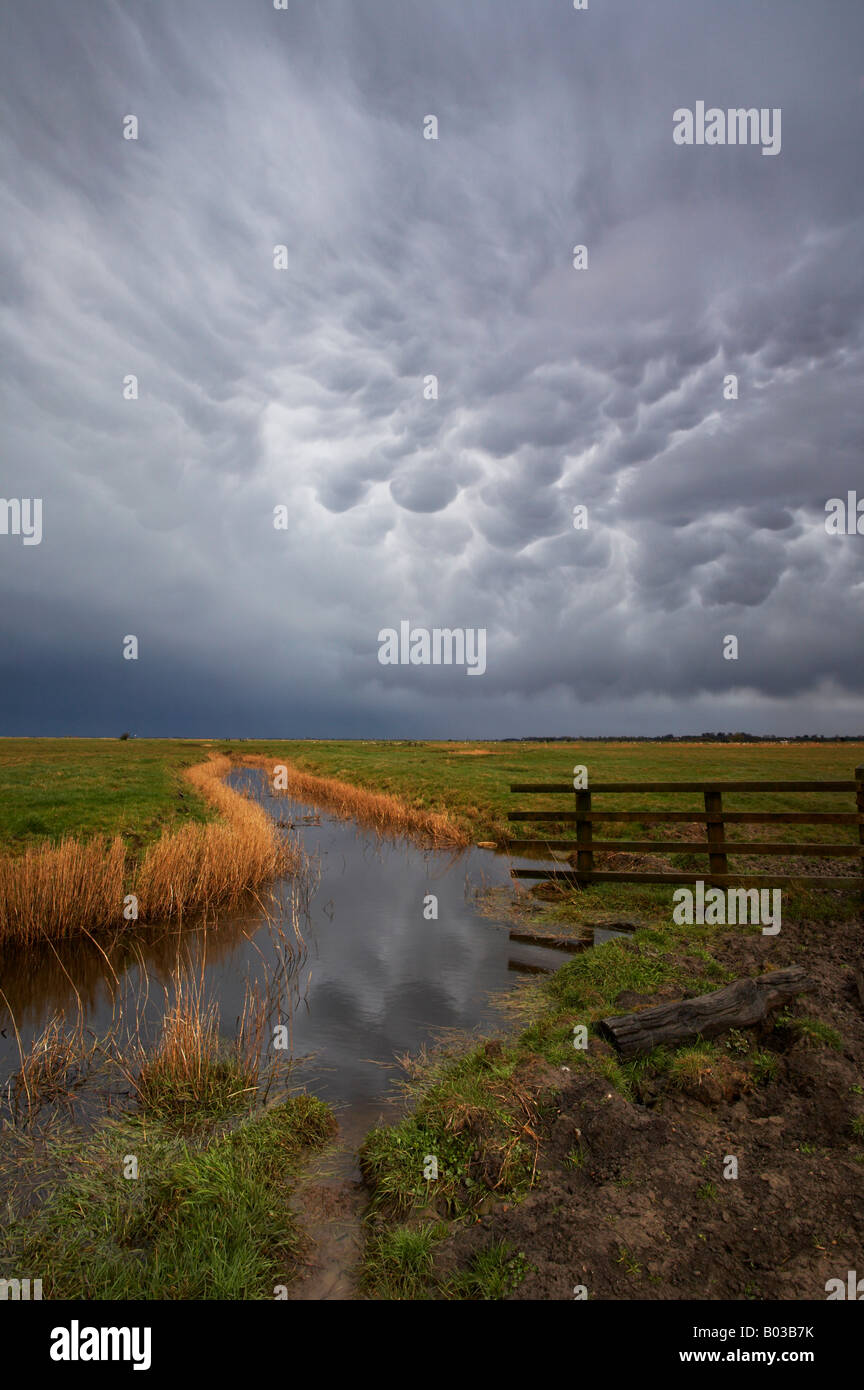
(584, 852)
(859, 799)
(716, 831)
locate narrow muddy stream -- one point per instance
(375, 978)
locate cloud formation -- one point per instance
(408, 258)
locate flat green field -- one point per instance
(471, 780)
(54, 787)
(51, 787)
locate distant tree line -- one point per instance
(682, 738)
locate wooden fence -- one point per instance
(715, 845)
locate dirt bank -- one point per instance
(629, 1198)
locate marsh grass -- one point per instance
(200, 866)
(192, 1074)
(207, 1214)
(59, 891)
(57, 1062)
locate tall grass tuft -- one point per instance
(190, 1073)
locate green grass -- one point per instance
(86, 787)
(764, 1066)
(52, 787)
(399, 1261)
(203, 1220)
(457, 1094)
(494, 1273)
(693, 1061)
(400, 1265)
(812, 1031)
(630, 1263)
(451, 777)
(220, 1086)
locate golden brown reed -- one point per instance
(57, 891)
(60, 890)
(378, 811)
(182, 1062)
(191, 1067)
(202, 865)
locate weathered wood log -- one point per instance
(556, 943)
(743, 1004)
(528, 967)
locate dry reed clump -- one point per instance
(378, 811)
(57, 891)
(200, 866)
(191, 1071)
(60, 890)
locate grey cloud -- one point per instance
(409, 257)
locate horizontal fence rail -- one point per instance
(731, 817)
(716, 847)
(689, 787)
(812, 851)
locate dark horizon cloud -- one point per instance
(407, 258)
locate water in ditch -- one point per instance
(394, 953)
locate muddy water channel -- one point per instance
(370, 978)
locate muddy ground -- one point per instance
(648, 1213)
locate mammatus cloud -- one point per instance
(428, 387)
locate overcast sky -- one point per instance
(304, 387)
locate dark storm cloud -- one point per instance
(407, 259)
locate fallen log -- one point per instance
(556, 943)
(527, 967)
(743, 1004)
